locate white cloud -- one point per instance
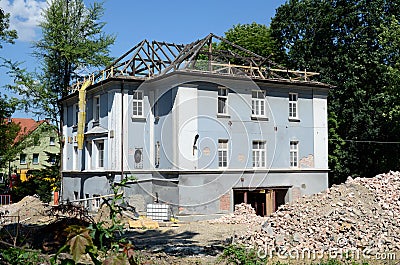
(25, 16)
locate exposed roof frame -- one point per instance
(150, 59)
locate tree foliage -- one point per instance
(6, 34)
(73, 42)
(8, 130)
(354, 45)
(253, 37)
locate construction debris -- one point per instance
(243, 214)
(29, 210)
(361, 214)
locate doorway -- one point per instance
(264, 201)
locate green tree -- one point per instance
(6, 35)
(72, 44)
(253, 37)
(343, 40)
(8, 130)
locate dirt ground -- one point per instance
(188, 243)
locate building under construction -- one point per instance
(200, 128)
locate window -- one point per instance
(35, 159)
(157, 157)
(222, 153)
(259, 154)
(75, 158)
(22, 159)
(76, 196)
(89, 148)
(87, 199)
(138, 104)
(96, 108)
(293, 106)
(76, 112)
(96, 201)
(100, 154)
(138, 157)
(294, 153)
(222, 100)
(52, 141)
(258, 103)
(52, 159)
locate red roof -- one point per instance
(27, 126)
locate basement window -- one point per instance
(96, 201)
(75, 158)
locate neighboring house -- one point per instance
(38, 145)
(199, 135)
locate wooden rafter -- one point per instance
(149, 59)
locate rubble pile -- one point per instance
(361, 214)
(243, 214)
(29, 210)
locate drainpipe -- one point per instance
(122, 129)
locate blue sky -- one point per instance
(132, 21)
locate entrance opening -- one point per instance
(265, 201)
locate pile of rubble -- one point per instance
(243, 214)
(361, 214)
(30, 210)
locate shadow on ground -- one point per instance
(173, 243)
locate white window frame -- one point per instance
(259, 153)
(258, 103)
(137, 104)
(96, 201)
(99, 154)
(52, 141)
(96, 108)
(222, 99)
(22, 161)
(33, 159)
(76, 114)
(293, 106)
(223, 147)
(294, 154)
